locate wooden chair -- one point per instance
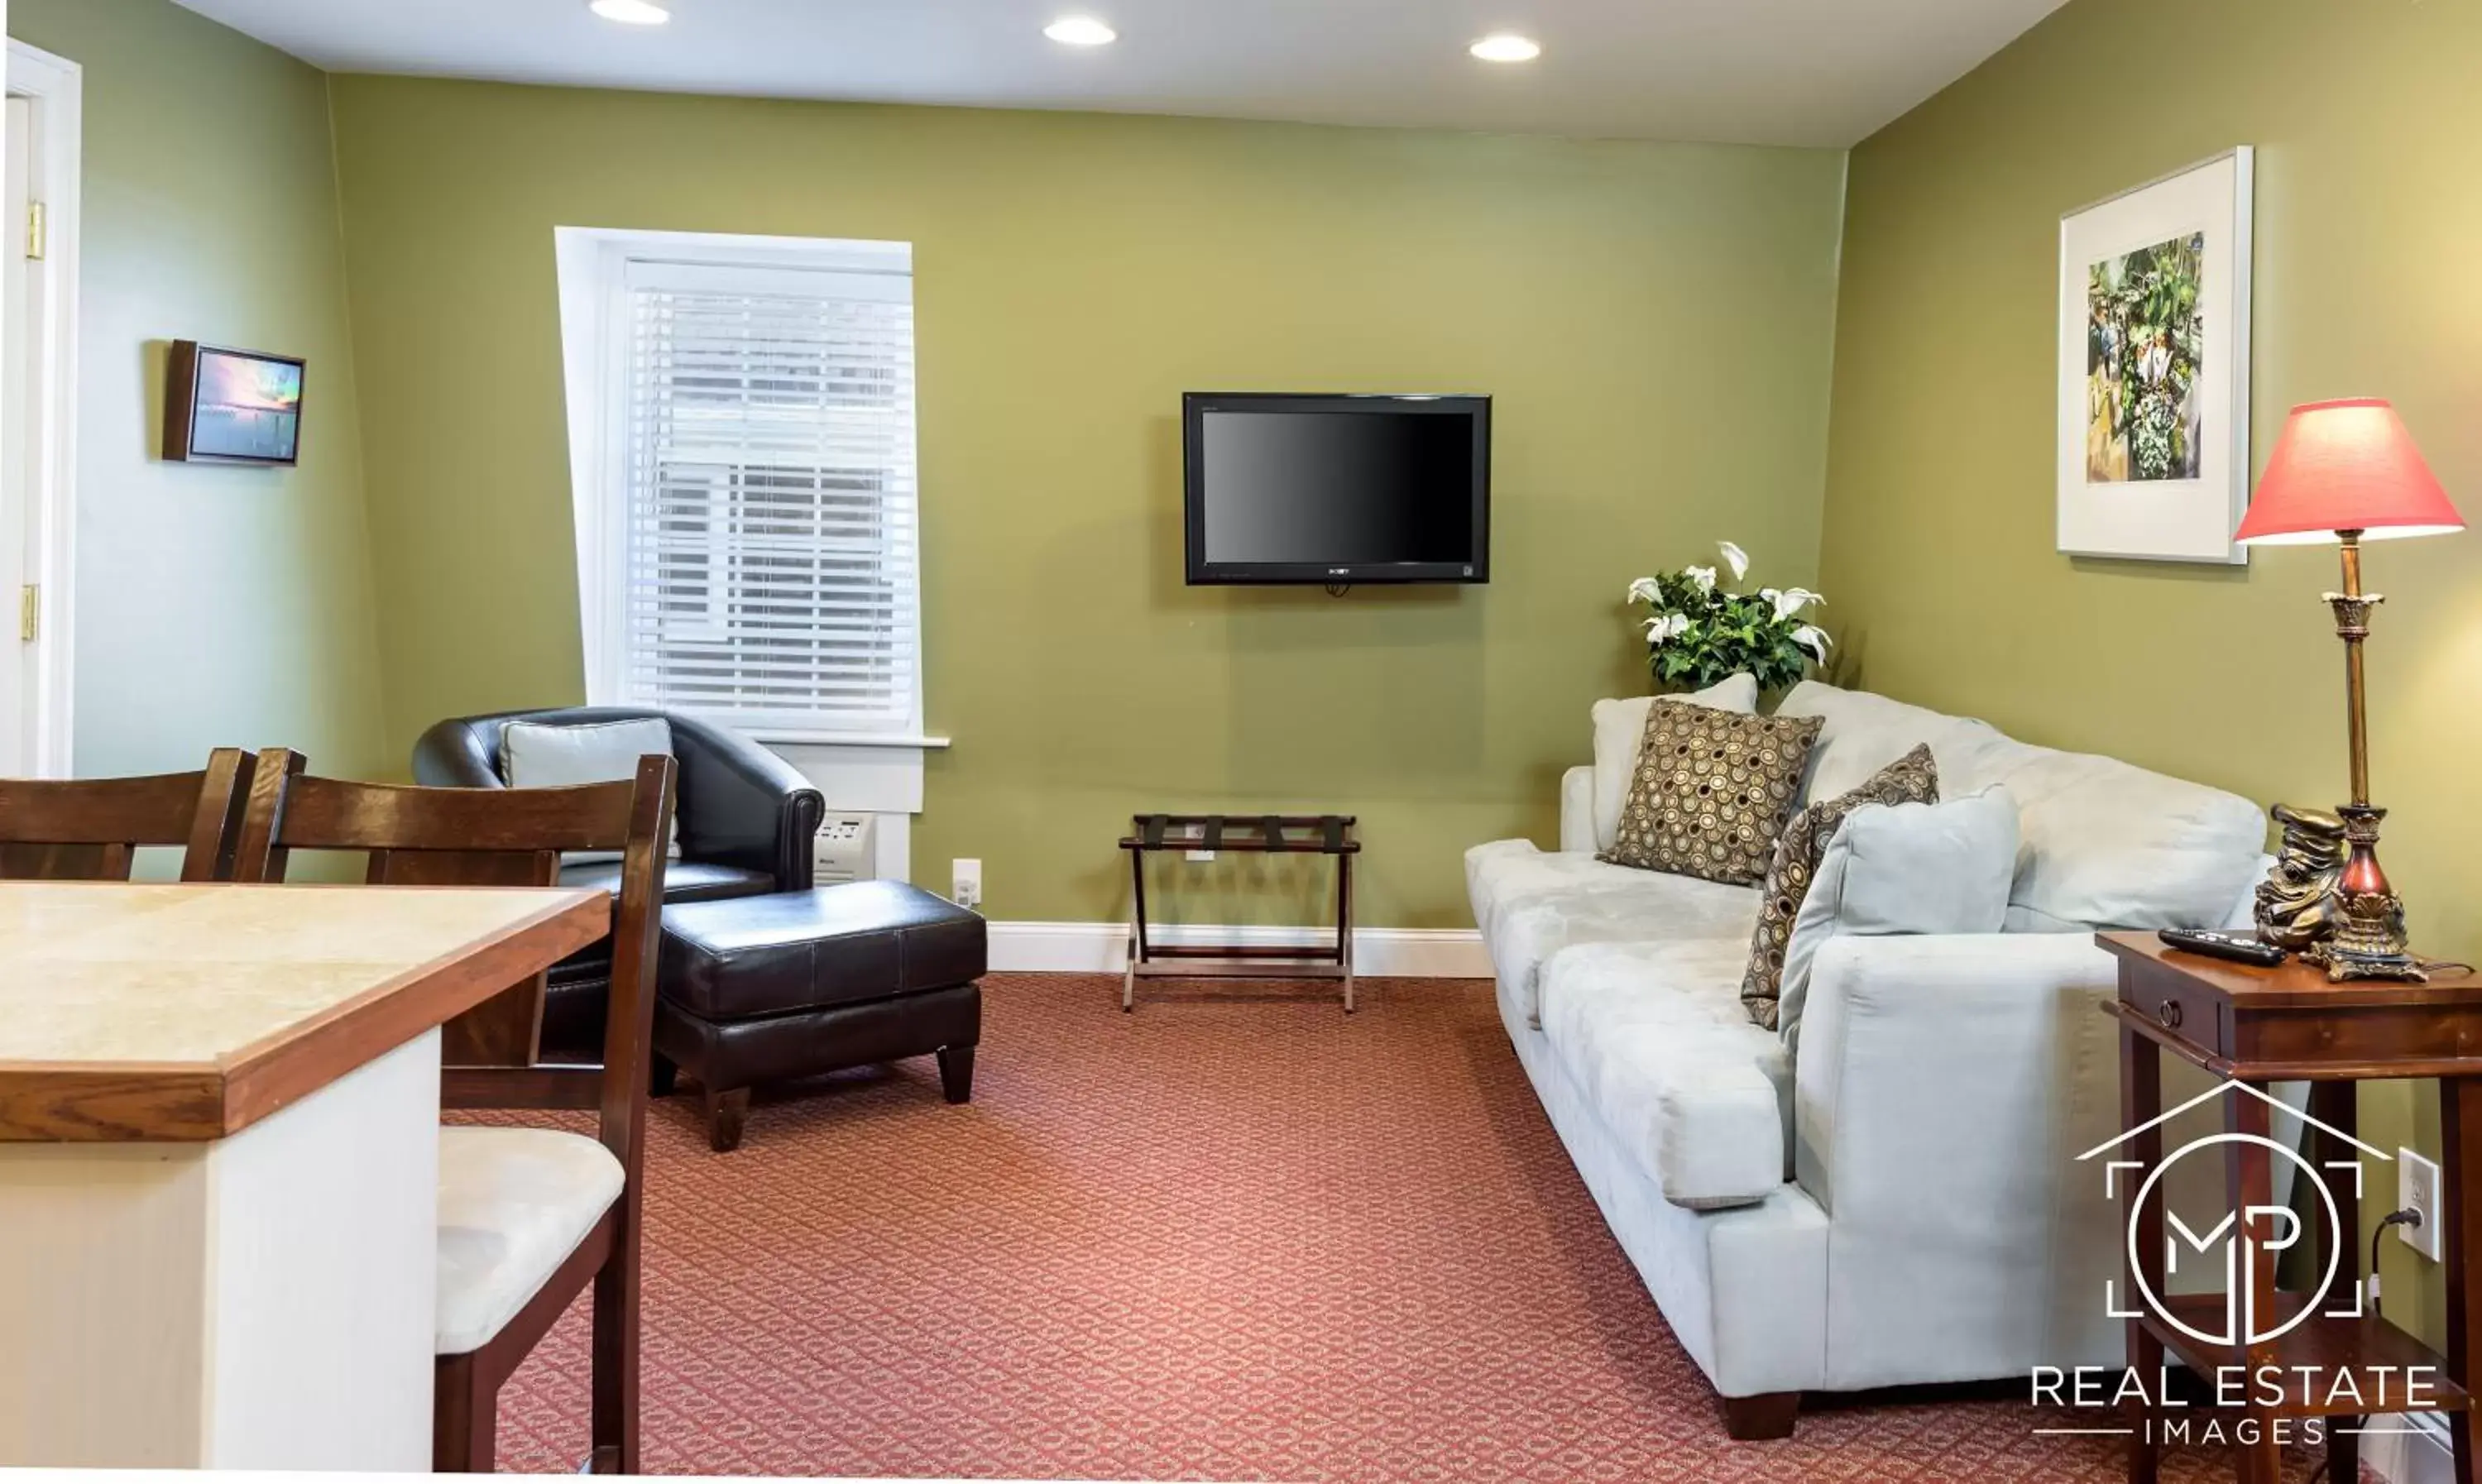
(529, 1217)
(91, 829)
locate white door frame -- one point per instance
(54, 87)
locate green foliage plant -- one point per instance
(1700, 633)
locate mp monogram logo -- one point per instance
(2218, 1253)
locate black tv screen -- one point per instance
(1338, 489)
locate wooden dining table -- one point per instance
(219, 1162)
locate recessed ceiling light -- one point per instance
(1081, 31)
(631, 13)
(1506, 46)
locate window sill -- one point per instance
(773, 736)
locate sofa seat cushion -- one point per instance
(2104, 843)
(1655, 1037)
(1532, 903)
(514, 1203)
(684, 881)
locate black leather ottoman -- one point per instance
(767, 989)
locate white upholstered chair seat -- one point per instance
(514, 1203)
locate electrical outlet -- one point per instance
(966, 883)
(2418, 1189)
(1202, 855)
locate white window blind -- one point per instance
(770, 558)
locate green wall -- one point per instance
(1938, 527)
(213, 605)
(1655, 322)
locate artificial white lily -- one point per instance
(1791, 600)
(1702, 628)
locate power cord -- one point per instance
(2407, 1217)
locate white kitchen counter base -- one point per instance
(263, 1300)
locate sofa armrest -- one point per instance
(460, 752)
(1578, 810)
(1943, 1089)
(745, 806)
(1951, 1062)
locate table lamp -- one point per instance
(2348, 472)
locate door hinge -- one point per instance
(30, 612)
(38, 230)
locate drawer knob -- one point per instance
(2169, 1013)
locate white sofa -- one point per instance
(1900, 1204)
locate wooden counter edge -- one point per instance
(57, 1103)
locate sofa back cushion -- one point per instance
(1620, 730)
(2104, 843)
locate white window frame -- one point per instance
(593, 270)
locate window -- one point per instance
(750, 549)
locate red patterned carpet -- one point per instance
(1233, 1236)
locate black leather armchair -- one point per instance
(747, 818)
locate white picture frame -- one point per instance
(2154, 368)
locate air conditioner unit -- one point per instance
(842, 851)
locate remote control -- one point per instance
(2223, 945)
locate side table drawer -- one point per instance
(2179, 1006)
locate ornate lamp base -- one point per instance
(2369, 941)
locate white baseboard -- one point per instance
(1104, 947)
(2407, 1449)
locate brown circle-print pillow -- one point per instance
(1711, 792)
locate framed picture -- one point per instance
(232, 407)
(2155, 357)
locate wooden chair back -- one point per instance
(91, 829)
(498, 837)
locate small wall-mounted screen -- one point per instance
(1338, 490)
(232, 407)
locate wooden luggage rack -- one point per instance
(1324, 835)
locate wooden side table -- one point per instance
(2261, 1025)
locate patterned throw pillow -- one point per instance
(1913, 778)
(1711, 792)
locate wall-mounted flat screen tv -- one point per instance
(231, 407)
(1336, 491)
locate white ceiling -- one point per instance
(1757, 72)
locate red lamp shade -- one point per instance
(2345, 466)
